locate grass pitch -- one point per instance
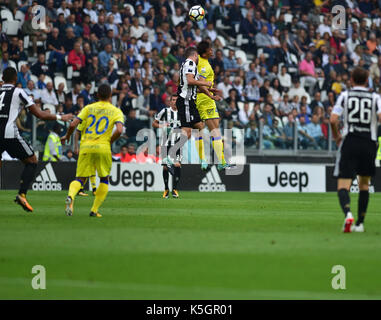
(234, 245)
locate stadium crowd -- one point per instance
(278, 63)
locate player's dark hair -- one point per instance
(189, 52)
(203, 47)
(10, 75)
(360, 76)
(104, 92)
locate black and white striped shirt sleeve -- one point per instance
(24, 98)
(160, 116)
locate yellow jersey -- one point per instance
(206, 72)
(97, 123)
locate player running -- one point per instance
(361, 110)
(95, 152)
(207, 108)
(186, 101)
(167, 119)
(12, 100)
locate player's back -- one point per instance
(100, 118)
(359, 107)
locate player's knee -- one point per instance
(31, 160)
(104, 180)
(81, 180)
(364, 183)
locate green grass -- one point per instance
(235, 245)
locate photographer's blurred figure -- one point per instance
(53, 146)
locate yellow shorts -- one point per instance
(89, 163)
(207, 109)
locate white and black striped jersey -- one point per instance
(360, 109)
(12, 100)
(169, 117)
(184, 90)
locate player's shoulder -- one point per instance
(189, 62)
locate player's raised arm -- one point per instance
(43, 115)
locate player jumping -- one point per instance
(12, 100)
(207, 108)
(361, 110)
(95, 152)
(186, 101)
(167, 119)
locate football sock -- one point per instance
(176, 178)
(363, 205)
(218, 147)
(100, 195)
(200, 148)
(74, 187)
(344, 200)
(165, 177)
(93, 183)
(27, 177)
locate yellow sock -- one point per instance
(100, 196)
(74, 187)
(200, 148)
(93, 182)
(218, 147)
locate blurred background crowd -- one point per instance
(280, 63)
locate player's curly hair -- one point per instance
(203, 47)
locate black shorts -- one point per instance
(356, 156)
(164, 152)
(188, 113)
(16, 147)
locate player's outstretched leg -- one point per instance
(343, 186)
(82, 192)
(99, 197)
(165, 178)
(362, 204)
(27, 177)
(176, 180)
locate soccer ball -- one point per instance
(196, 13)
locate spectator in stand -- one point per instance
(48, 95)
(61, 95)
(87, 95)
(23, 76)
(40, 67)
(105, 56)
(225, 87)
(251, 91)
(314, 131)
(76, 58)
(127, 153)
(307, 69)
(32, 91)
(244, 115)
(230, 63)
